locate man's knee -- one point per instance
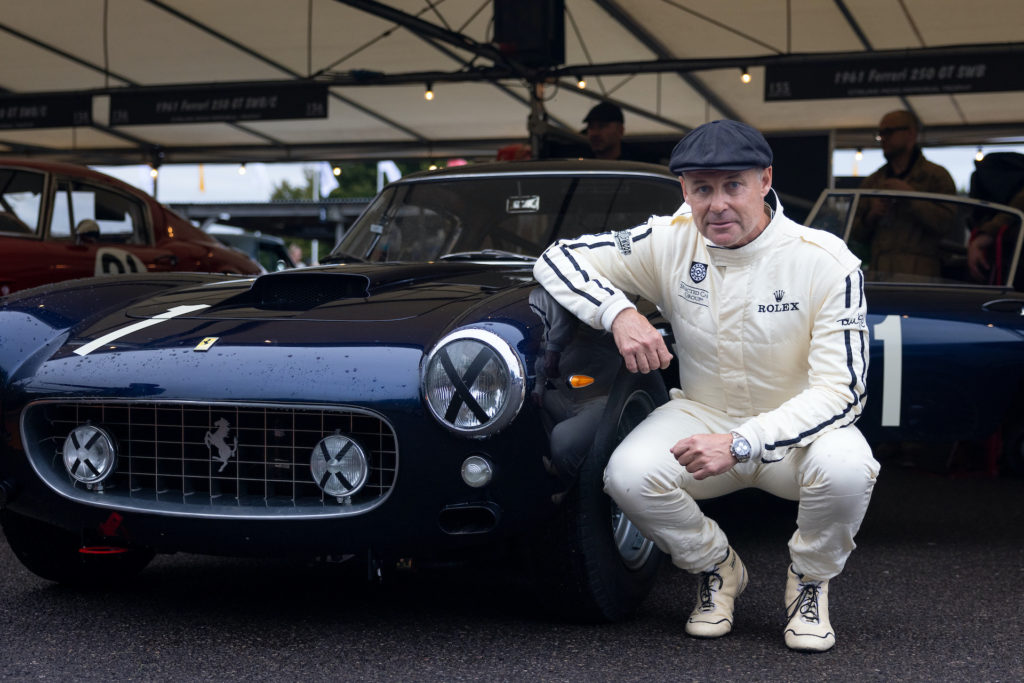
(631, 474)
(842, 465)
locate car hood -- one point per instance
(284, 336)
(341, 293)
(406, 304)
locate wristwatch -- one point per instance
(740, 448)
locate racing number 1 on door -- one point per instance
(890, 333)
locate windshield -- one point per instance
(919, 237)
(501, 216)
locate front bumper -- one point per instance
(170, 493)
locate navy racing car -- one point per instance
(417, 398)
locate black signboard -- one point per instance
(230, 103)
(882, 77)
(45, 111)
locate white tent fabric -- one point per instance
(103, 46)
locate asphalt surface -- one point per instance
(935, 592)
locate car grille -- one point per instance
(218, 459)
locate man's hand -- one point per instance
(705, 455)
(977, 257)
(639, 342)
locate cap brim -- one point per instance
(729, 167)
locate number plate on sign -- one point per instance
(523, 204)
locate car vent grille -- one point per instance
(292, 291)
(219, 459)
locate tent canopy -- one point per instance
(143, 80)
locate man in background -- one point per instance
(604, 130)
(901, 237)
(906, 167)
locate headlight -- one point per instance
(473, 382)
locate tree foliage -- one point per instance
(357, 179)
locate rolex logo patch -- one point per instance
(698, 271)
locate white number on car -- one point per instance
(890, 333)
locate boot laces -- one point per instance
(807, 601)
(710, 582)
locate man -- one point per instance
(295, 252)
(999, 178)
(605, 130)
(769, 322)
(904, 236)
(905, 167)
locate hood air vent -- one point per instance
(291, 291)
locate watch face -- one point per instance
(740, 447)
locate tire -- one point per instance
(55, 555)
(598, 566)
(1013, 448)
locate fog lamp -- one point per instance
(339, 466)
(89, 454)
(476, 471)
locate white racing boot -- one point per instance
(807, 610)
(717, 590)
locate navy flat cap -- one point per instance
(723, 145)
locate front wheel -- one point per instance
(58, 555)
(599, 566)
(1013, 447)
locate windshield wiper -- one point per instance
(487, 254)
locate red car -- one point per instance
(61, 221)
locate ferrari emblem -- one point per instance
(206, 344)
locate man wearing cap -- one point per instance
(769, 322)
(605, 130)
(904, 236)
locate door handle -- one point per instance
(1004, 306)
(167, 261)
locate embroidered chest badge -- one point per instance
(624, 241)
(698, 271)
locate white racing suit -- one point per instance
(772, 343)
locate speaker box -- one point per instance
(531, 32)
